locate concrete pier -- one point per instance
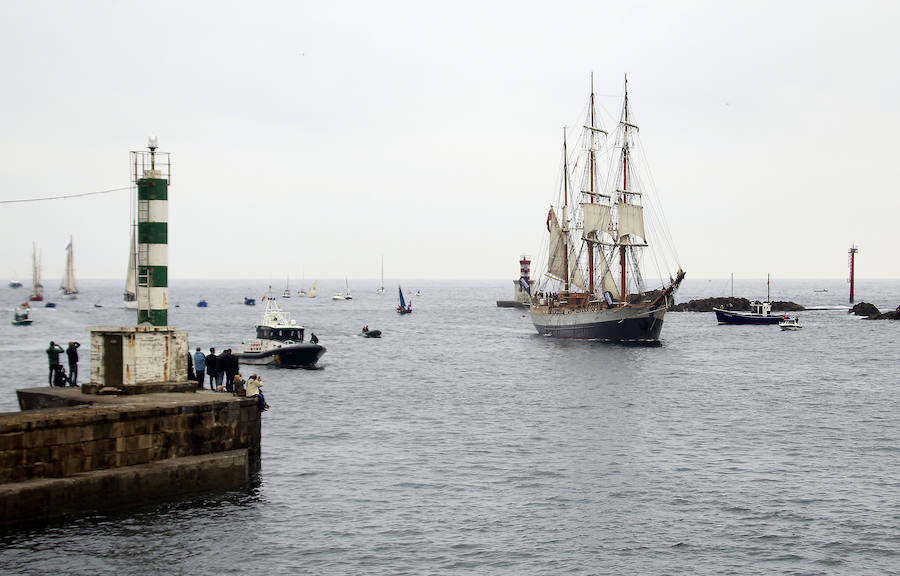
(74, 453)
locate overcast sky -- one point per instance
(312, 138)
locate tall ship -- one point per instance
(597, 282)
(37, 289)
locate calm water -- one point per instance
(464, 443)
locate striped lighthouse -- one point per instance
(151, 176)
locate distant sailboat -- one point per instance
(129, 298)
(37, 289)
(67, 286)
(287, 288)
(381, 287)
(404, 307)
(313, 289)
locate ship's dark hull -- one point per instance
(729, 317)
(291, 356)
(612, 325)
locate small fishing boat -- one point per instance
(49, 305)
(760, 313)
(790, 323)
(279, 341)
(22, 315)
(202, 303)
(249, 301)
(67, 285)
(403, 307)
(15, 284)
(367, 333)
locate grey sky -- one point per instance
(311, 138)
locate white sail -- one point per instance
(607, 283)
(596, 218)
(557, 260)
(312, 289)
(631, 220)
(67, 286)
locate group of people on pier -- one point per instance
(224, 375)
(58, 376)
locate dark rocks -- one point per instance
(872, 313)
(864, 309)
(736, 304)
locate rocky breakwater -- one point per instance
(69, 453)
(730, 303)
(871, 312)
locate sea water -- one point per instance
(462, 442)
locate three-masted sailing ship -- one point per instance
(594, 286)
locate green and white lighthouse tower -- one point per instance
(151, 176)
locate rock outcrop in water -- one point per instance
(864, 309)
(737, 304)
(872, 313)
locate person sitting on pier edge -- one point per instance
(59, 377)
(53, 352)
(239, 385)
(254, 388)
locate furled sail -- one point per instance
(631, 220)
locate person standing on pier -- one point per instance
(199, 367)
(211, 367)
(232, 367)
(53, 352)
(72, 353)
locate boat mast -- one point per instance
(591, 168)
(624, 195)
(565, 214)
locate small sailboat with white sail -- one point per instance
(287, 288)
(129, 297)
(313, 289)
(381, 286)
(597, 282)
(67, 286)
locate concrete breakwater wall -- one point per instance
(69, 453)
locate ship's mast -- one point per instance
(624, 195)
(591, 168)
(565, 214)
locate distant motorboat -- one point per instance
(49, 305)
(822, 290)
(367, 333)
(202, 303)
(249, 301)
(790, 323)
(15, 284)
(21, 315)
(279, 342)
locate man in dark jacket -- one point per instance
(72, 353)
(53, 352)
(232, 367)
(211, 359)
